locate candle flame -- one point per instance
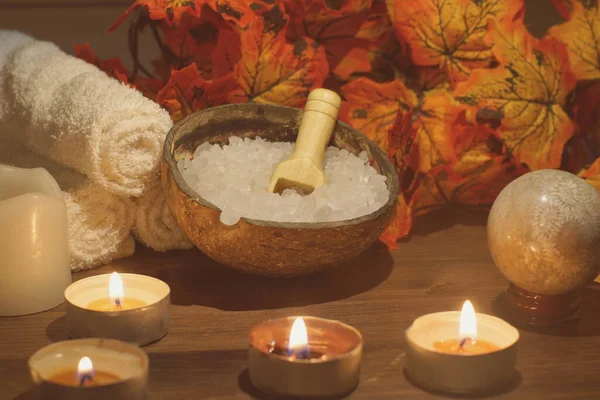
(298, 336)
(115, 289)
(85, 368)
(468, 322)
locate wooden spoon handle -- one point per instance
(319, 118)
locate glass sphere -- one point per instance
(544, 232)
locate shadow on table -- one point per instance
(199, 280)
(505, 389)
(449, 216)
(57, 330)
(247, 387)
(587, 324)
(28, 395)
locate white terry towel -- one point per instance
(99, 221)
(154, 225)
(73, 113)
(9, 42)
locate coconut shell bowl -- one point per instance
(275, 249)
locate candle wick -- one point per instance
(118, 302)
(462, 344)
(84, 378)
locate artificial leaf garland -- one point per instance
(457, 92)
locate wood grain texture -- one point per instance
(204, 356)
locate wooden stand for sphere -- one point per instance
(541, 310)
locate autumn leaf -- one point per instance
(112, 67)
(349, 30)
(403, 154)
(367, 49)
(480, 170)
(271, 70)
(227, 53)
(483, 167)
(434, 139)
(587, 110)
(237, 11)
(581, 35)
(422, 79)
(187, 91)
(526, 93)
(195, 40)
(372, 106)
(565, 7)
(579, 152)
(169, 10)
(400, 224)
(422, 140)
(450, 33)
(592, 174)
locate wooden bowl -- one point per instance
(276, 249)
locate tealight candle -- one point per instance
(461, 352)
(89, 369)
(129, 307)
(304, 356)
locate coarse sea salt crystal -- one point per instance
(235, 178)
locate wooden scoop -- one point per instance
(304, 169)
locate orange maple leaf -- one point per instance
(168, 10)
(371, 107)
(186, 91)
(564, 7)
(112, 67)
(592, 174)
(581, 35)
(450, 33)
(481, 169)
(348, 30)
(402, 152)
(400, 224)
(434, 139)
(587, 106)
(195, 40)
(172, 11)
(271, 70)
(526, 93)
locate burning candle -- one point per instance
(304, 356)
(467, 341)
(298, 343)
(84, 375)
(91, 369)
(129, 307)
(460, 352)
(116, 300)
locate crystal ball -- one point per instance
(543, 232)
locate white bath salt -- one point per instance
(235, 178)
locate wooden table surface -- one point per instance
(204, 354)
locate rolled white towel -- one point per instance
(154, 225)
(9, 42)
(73, 113)
(99, 221)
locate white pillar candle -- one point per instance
(34, 253)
